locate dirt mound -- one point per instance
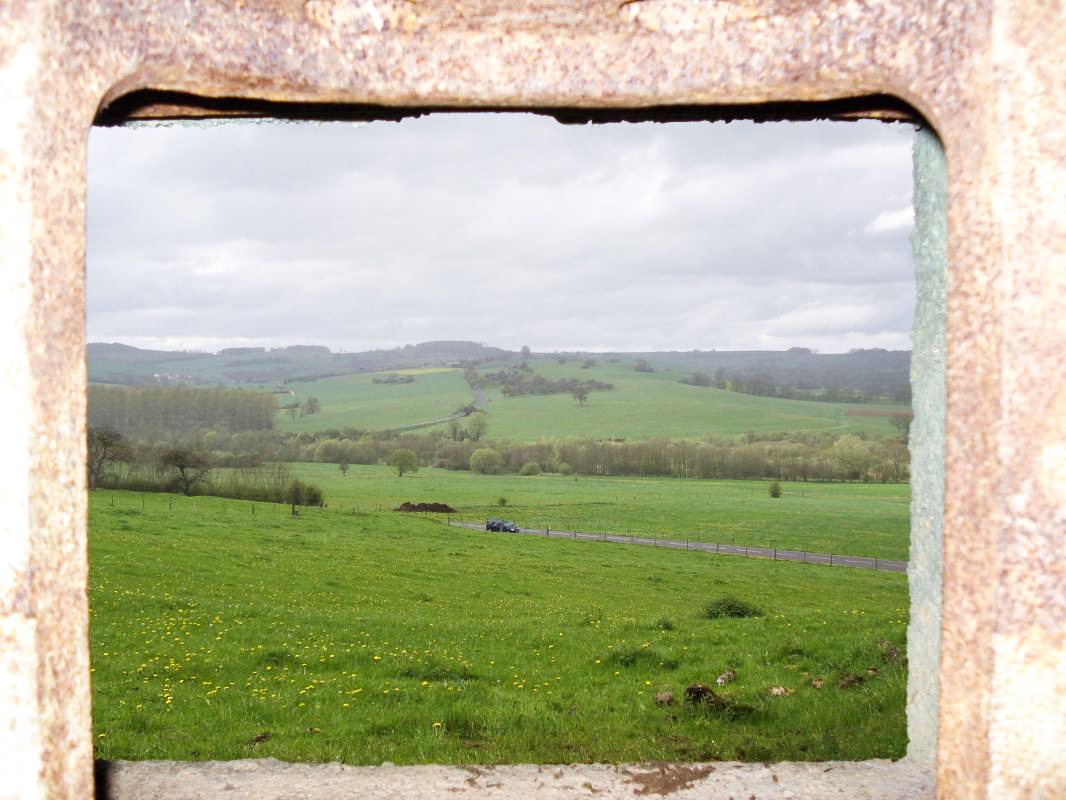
(439, 508)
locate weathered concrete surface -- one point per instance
(986, 74)
(274, 780)
(928, 383)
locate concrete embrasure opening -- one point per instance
(909, 778)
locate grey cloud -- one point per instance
(506, 229)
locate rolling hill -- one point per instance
(641, 405)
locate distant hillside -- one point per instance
(798, 373)
(874, 373)
(255, 366)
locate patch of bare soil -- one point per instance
(438, 508)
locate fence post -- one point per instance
(716, 548)
(804, 556)
(775, 552)
(876, 564)
(830, 559)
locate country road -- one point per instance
(479, 405)
(828, 559)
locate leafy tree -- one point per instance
(403, 460)
(190, 468)
(525, 351)
(455, 430)
(485, 461)
(642, 365)
(477, 426)
(775, 489)
(312, 406)
(106, 446)
(852, 456)
(343, 467)
(580, 394)
(530, 468)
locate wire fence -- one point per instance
(718, 548)
(210, 504)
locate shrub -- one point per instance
(300, 493)
(485, 461)
(564, 468)
(530, 468)
(730, 607)
(501, 501)
(775, 489)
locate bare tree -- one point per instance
(191, 468)
(580, 394)
(106, 446)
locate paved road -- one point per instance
(861, 562)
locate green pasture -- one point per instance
(648, 405)
(223, 630)
(356, 401)
(860, 519)
(641, 406)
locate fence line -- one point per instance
(653, 539)
(773, 553)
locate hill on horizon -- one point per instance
(873, 372)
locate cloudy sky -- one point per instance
(510, 230)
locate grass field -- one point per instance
(641, 406)
(219, 633)
(860, 519)
(356, 401)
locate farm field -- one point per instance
(860, 519)
(356, 401)
(641, 406)
(219, 632)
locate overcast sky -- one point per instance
(510, 230)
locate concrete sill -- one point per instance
(268, 779)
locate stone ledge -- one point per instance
(269, 779)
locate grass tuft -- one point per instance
(730, 607)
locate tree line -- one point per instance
(519, 381)
(762, 384)
(809, 456)
(115, 462)
(162, 413)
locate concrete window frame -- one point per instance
(985, 74)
